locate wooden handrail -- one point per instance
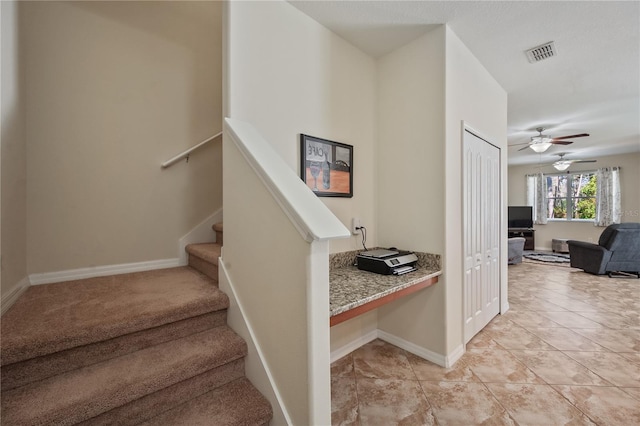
(185, 154)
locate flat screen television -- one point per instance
(520, 217)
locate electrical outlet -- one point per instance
(355, 224)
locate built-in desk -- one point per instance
(353, 292)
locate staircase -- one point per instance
(148, 348)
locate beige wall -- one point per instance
(411, 197)
(13, 168)
(411, 135)
(290, 75)
(286, 74)
(113, 90)
(274, 297)
(467, 94)
(426, 90)
(411, 176)
(475, 98)
(584, 231)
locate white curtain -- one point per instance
(537, 197)
(608, 208)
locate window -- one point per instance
(571, 196)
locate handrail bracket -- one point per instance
(187, 153)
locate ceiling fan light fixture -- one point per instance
(540, 147)
(541, 139)
(562, 165)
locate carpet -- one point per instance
(547, 257)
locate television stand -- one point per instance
(527, 233)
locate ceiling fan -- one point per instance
(540, 143)
(562, 164)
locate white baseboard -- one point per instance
(201, 233)
(434, 357)
(353, 345)
(505, 308)
(454, 356)
(101, 271)
(439, 359)
(10, 298)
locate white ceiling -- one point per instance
(591, 86)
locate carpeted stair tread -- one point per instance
(55, 317)
(236, 403)
(209, 252)
(87, 392)
(38, 368)
(217, 227)
(153, 404)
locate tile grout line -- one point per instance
(546, 383)
(433, 413)
(355, 381)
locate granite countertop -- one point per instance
(349, 287)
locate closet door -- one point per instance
(481, 233)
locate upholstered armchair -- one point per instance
(516, 246)
(618, 250)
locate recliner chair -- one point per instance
(618, 250)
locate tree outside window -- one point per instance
(572, 196)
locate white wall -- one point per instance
(427, 90)
(274, 297)
(290, 75)
(13, 167)
(411, 137)
(286, 74)
(411, 188)
(113, 90)
(475, 98)
(584, 231)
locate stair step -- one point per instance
(236, 403)
(209, 252)
(34, 369)
(87, 392)
(166, 399)
(217, 227)
(204, 258)
(56, 317)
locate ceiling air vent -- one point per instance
(541, 52)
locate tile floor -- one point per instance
(566, 353)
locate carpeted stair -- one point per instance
(147, 347)
(204, 256)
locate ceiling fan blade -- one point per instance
(555, 142)
(524, 147)
(585, 161)
(571, 136)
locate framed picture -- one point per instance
(326, 166)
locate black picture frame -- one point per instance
(332, 164)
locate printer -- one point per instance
(387, 262)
